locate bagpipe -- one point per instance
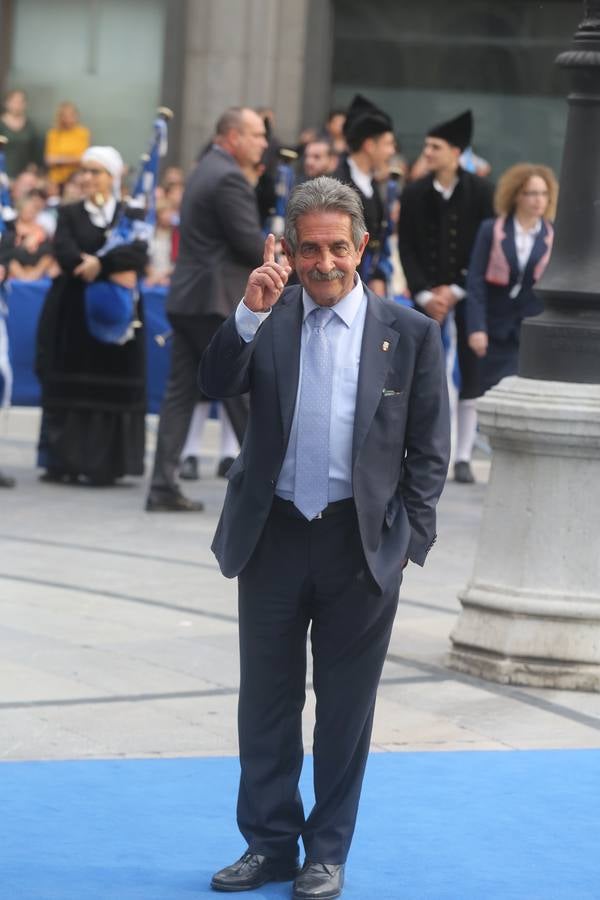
(381, 258)
(7, 215)
(112, 309)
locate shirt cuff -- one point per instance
(458, 292)
(248, 322)
(423, 298)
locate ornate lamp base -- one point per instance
(531, 612)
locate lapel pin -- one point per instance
(385, 346)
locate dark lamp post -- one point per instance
(563, 343)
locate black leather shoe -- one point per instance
(253, 870)
(6, 481)
(171, 501)
(224, 466)
(55, 476)
(319, 881)
(188, 470)
(463, 473)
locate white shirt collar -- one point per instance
(519, 230)
(445, 192)
(361, 179)
(101, 216)
(346, 308)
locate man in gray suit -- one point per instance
(221, 241)
(335, 489)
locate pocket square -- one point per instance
(389, 392)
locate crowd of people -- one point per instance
(440, 238)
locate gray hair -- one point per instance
(323, 194)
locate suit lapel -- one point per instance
(287, 327)
(377, 353)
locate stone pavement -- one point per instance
(118, 634)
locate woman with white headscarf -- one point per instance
(93, 392)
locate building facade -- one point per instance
(422, 62)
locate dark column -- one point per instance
(6, 28)
(173, 78)
(318, 57)
(563, 344)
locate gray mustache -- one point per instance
(315, 275)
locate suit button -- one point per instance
(273, 482)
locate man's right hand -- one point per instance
(437, 307)
(266, 283)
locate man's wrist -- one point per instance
(247, 321)
(423, 298)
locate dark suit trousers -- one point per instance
(191, 337)
(307, 575)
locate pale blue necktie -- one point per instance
(311, 484)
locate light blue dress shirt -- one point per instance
(345, 333)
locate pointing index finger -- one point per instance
(269, 252)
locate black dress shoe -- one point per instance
(171, 501)
(224, 466)
(463, 473)
(188, 470)
(6, 481)
(56, 476)
(253, 870)
(319, 881)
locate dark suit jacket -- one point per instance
(221, 239)
(428, 257)
(489, 307)
(401, 430)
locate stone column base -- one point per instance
(531, 612)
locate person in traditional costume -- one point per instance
(369, 133)
(510, 254)
(439, 218)
(92, 371)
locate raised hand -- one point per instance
(266, 283)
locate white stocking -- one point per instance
(466, 429)
(196, 430)
(229, 443)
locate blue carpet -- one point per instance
(432, 826)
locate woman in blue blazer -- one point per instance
(509, 255)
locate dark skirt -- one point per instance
(93, 394)
(100, 446)
(500, 361)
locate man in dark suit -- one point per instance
(221, 241)
(439, 217)
(334, 490)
